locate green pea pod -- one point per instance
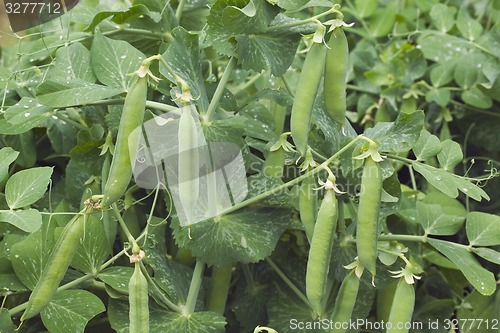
(308, 204)
(131, 118)
(402, 308)
(318, 263)
(274, 163)
(188, 163)
(303, 102)
(344, 303)
(138, 302)
(368, 215)
(56, 267)
(334, 90)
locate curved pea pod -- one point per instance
(308, 205)
(138, 302)
(318, 263)
(368, 215)
(57, 265)
(303, 102)
(334, 90)
(344, 303)
(121, 167)
(402, 308)
(188, 164)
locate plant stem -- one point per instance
(71, 121)
(194, 287)
(180, 8)
(220, 90)
(295, 181)
(312, 19)
(404, 238)
(123, 225)
(219, 288)
(288, 282)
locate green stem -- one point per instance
(123, 225)
(294, 181)
(412, 177)
(220, 89)
(288, 282)
(71, 121)
(403, 238)
(219, 288)
(180, 8)
(241, 89)
(194, 287)
(287, 86)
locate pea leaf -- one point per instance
(93, 250)
(475, 97)
(488, 254)
(427, 146)
(27, 186)
(469, 28)
(382, 20)
(72, 62)
(443, 17)
(450, 155)
(117, 277)
(436, 222)
(28, 112)
(183, 56)
(7, 156)
(449, 183)
(161, 320)
(480, 278)
(441, 96)
(365, 8)
(480, 309)
(483, 229)
(28, 220)
(467, 74)
(441, 48)
(399, 136)
(6, 324)
(442, 74)
(244, 236)
(71, 93)
(121, 17)
(71, 310)
(112, 61)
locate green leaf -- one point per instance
(72, 62)
(244, 236)
(121, 17)
(480, 310)
(71, 310)
(483, 229)
(449, 183)
(7, 156)
(427, 146)
(436, 222)
(93, 250)
(469, 28)
(27, 112)
(450, 155)
(273, 50)
(365, 8)
(27, 186)
(467, 73)
(183, 56)
(475, 97)
(399, 136)
(25, 144)
(443, 17)
(112, 61)
(480, 278)
(442, 74)
(442, 48)
(10, 129)
(6, 324)
(441, 96)
(58, 95)
(166, 321)
(382, 20)
(117, 277)
(488, 254)
(28, 220)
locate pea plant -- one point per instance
(251, 166)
